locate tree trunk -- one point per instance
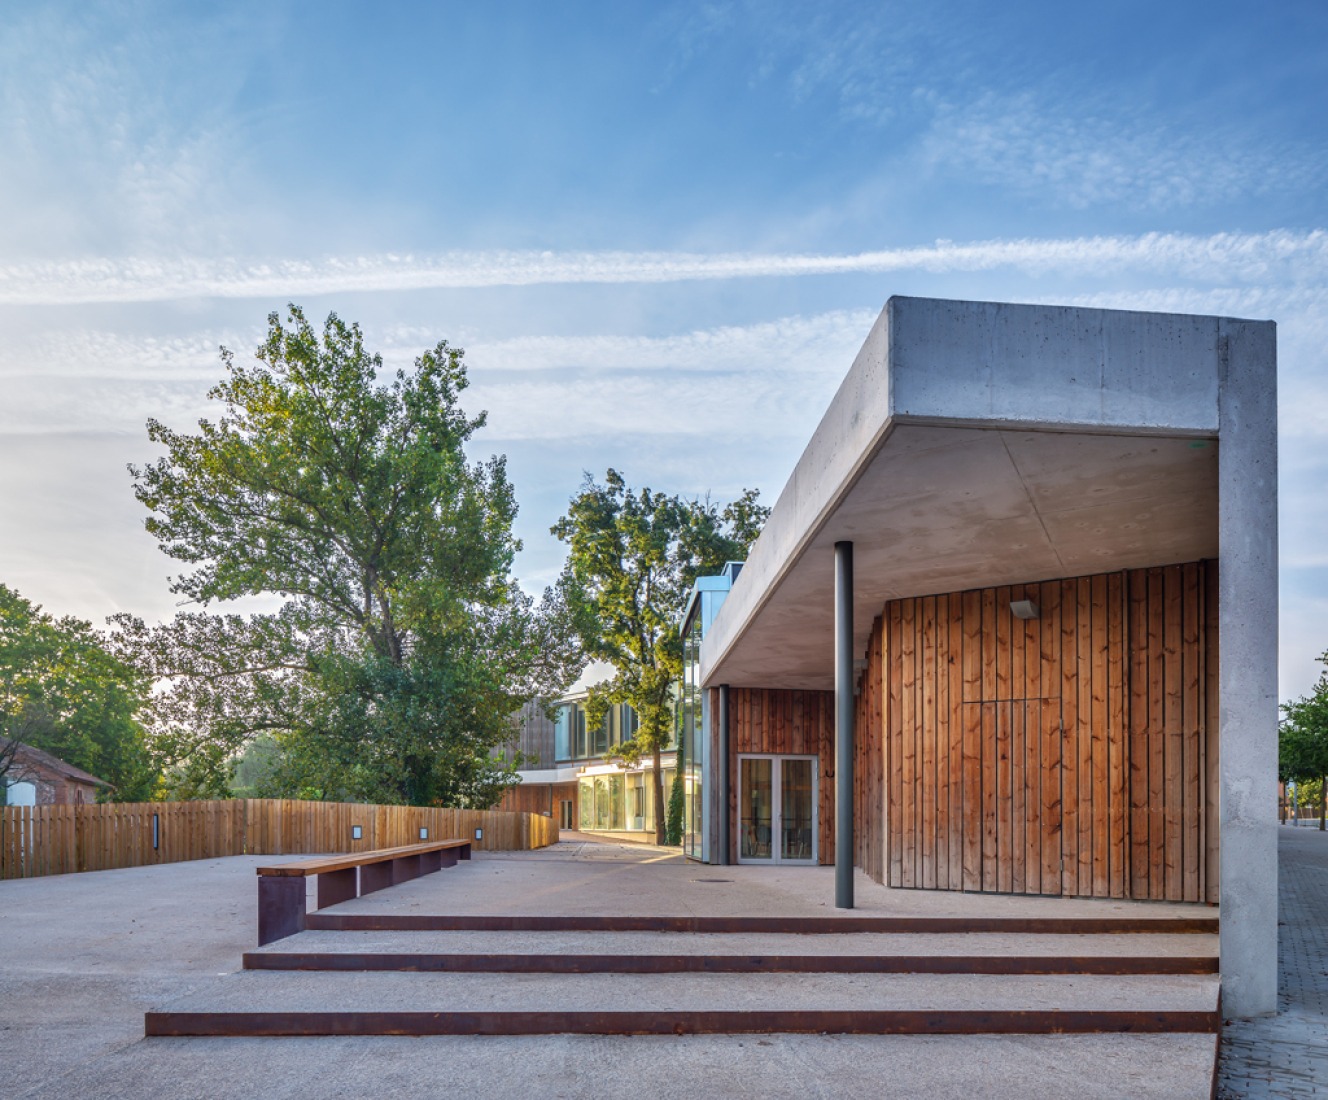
(658, 783)
(1323, 799)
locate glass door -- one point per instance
(756, 806)
(797, 809)
(777, 809)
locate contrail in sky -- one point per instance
(1297, 256)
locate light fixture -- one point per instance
(424, 833)
(356, 832)
(1023, 609)
(479, 834)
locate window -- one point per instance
(21, 794)
(573, 740)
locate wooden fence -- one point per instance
(55, 840)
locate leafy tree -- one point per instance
(402, 647)
(1303, 739)
(632, 560)
(63, 690)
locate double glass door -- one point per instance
(777, 809)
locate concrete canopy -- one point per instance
(975, 444)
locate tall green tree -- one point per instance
(402, 646)
(633, 557)
(1302, 741)
(64, 691)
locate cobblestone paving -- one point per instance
(1286, 1056)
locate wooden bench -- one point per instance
(282, 892)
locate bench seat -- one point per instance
(281, 887)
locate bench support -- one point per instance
(281, 907)
(375, 876)
(336, 886)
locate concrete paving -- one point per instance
(581, 876)
(706, 943)
(87, 955)
(1286, 1056)
(394, 991)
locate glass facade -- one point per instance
(573, 740)
(691, 729)
(622, 802)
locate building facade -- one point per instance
(36, 778)
(1012, 625)
(569, 770)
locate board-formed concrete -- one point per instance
(975, 444)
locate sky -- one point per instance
(660, 230)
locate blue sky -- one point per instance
(660, 230)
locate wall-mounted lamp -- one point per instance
(424, 833)
(1023, 609)
(479, 834)
(356, 833)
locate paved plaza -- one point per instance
(1286, 1056)
(89, 954)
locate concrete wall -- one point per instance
(1247, 593)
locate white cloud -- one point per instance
(1277, 254)
(824, 342)
(1088, 154)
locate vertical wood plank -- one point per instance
(1117, 741)
(894, 763)
(941, 738)
(972, 856)
(956, 731)
(1139, 748)
(927, 736)
(1000, 776)
(1174, 724)
(989, 641)
(1157, 775)
(909, 724)
(1068, 693)
(992, 714)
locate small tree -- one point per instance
(1302, 741)
(633, 558)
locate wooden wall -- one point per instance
(796, 723)
(539, 798)
(1068, 754)
(56, 840)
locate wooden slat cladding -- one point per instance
(869, 763)
(1068, 754)
(797, 723)
(56, 840)
(539, 798)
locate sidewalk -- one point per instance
(1286, 1056)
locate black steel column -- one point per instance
(844, 709)
(722, 723)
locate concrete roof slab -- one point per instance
(976, 444)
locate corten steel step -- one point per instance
(440, 922)
(764, 1022)
(295, 1003)
(530, 963)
